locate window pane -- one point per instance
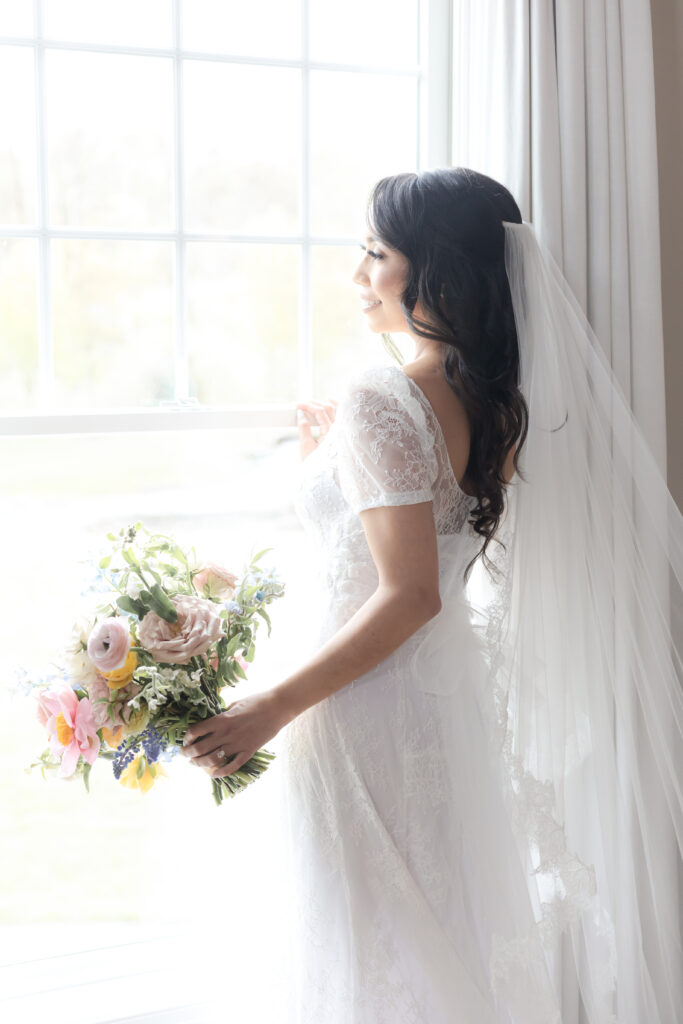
(110, 140)
(112, 307)
(17, 137)
(362, 128)
(342, 342)
(271, 28)
(222, 492)
(16, 19)
(242, 148)
(242, 322)
(19, 319)
(124, 23)
(383, 32)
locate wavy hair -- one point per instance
(449, 225)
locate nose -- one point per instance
(359, 275)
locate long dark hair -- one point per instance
(449, 225)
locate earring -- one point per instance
(441, 295)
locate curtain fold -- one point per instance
(556, 100)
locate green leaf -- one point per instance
(140, 770)
(130, 557)
(130, 604)
(163, 605)
(256, 557)
(104, 562)
(86, 775)
(179, 554)
(232, 645)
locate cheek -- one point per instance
(389, 283)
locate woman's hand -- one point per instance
(242, 729)
(321, 413)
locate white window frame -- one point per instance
(433, 75)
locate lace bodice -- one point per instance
(385, 448)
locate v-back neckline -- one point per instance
(423, 396)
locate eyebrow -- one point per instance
(373, 238)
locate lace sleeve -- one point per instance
(385, 452)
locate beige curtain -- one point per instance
(556, 100)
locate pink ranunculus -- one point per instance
(109, 643)
(71, 727)
(174, 643)
(102, 698)
(215, 581)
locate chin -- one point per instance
(380, 326)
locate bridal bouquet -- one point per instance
(151, 660)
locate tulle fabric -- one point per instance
(582, 631)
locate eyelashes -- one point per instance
(375, 255)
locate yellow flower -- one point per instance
(112, 737)
(139, 774)
(65, 733)
(122, 676)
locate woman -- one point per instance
(496, 675)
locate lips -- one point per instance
(371, 303)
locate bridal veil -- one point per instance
(580, 621)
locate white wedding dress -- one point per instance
(412, 901)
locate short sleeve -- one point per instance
(385, 452)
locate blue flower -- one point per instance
(153, 742)
(125, 752)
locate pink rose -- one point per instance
(71, 727)
(109, 643)
(103, 698)
(198, 625)
(215, 581)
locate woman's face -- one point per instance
(381, 276)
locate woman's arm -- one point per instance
(402, 541)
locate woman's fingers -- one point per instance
(213, 760)
(317, 413)
(313, 414)
(201, 746)
(236, 763)
(306, 440)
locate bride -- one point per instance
(481, 765)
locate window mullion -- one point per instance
(435, 85)
(305, 357)
(181, 375)
(46, 374)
